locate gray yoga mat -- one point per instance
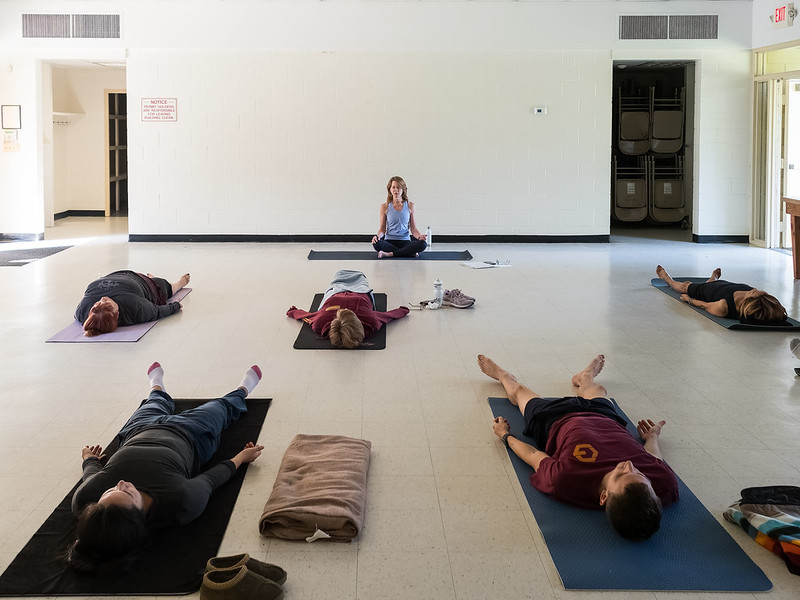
(372, 255)
(660, 284)
(691, 552)
(73, 333)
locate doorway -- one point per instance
(651, 156)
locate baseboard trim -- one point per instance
(720, 239)
(444, 239)
(79, 213)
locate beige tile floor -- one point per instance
(446, 516)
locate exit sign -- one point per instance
(783, 16)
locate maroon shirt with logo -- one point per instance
(583, 447)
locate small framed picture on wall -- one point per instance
(11, 116)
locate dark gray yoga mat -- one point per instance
(372, 255)
(172, 565)
(307, 339)
(727, 323)
(691, 552)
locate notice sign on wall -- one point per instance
(159, 109)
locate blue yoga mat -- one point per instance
(660, 284)
(691, 551)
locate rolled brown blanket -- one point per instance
(321, 485)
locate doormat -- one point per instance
(21, 257)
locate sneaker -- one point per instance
(456, 299)
(456, 292)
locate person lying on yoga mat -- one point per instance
(398, 235)
(154, 479)
(729, 300)
(347, 312)
(126, 298)
(584, 455)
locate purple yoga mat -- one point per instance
(73, 333)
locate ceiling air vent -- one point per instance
(95, 26)
(647, 27)
(70, 26)
(45, 26)
(668, 27)
(693, 27)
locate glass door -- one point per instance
(791, 147)
(766, 219)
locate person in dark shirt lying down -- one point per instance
(154, 478)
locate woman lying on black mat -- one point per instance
(126, 298)
(347, 312)
(729, 300)
(153, 479)
(398, 235)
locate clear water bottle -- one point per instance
(438, 294)
(429, 237)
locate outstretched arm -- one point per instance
(650, 432)
(248, 455)
(718, 308)
(526, 452)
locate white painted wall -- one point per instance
(292, 116)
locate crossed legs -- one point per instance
(519, 395)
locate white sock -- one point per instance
(156, 375)
(251, 379)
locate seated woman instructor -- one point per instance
(728, 300)
(347, 312)
(154, 479)
(126, 298)
(398, 235)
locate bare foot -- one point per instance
(181, 283)
(382, 254)
(590, 372)
(492, 369)
(715, 275)
(662, 273)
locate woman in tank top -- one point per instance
(729, 300)
(398, 235)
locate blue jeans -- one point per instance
(203, 425)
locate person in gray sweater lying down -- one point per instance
(154, 478)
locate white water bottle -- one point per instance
(429, 238)
(438, 294)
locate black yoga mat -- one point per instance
(175, 562)
(372, 255)
(691, 551)
(790, 324)
(308, 340)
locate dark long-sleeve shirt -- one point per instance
(160, 462)
(136, 300)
